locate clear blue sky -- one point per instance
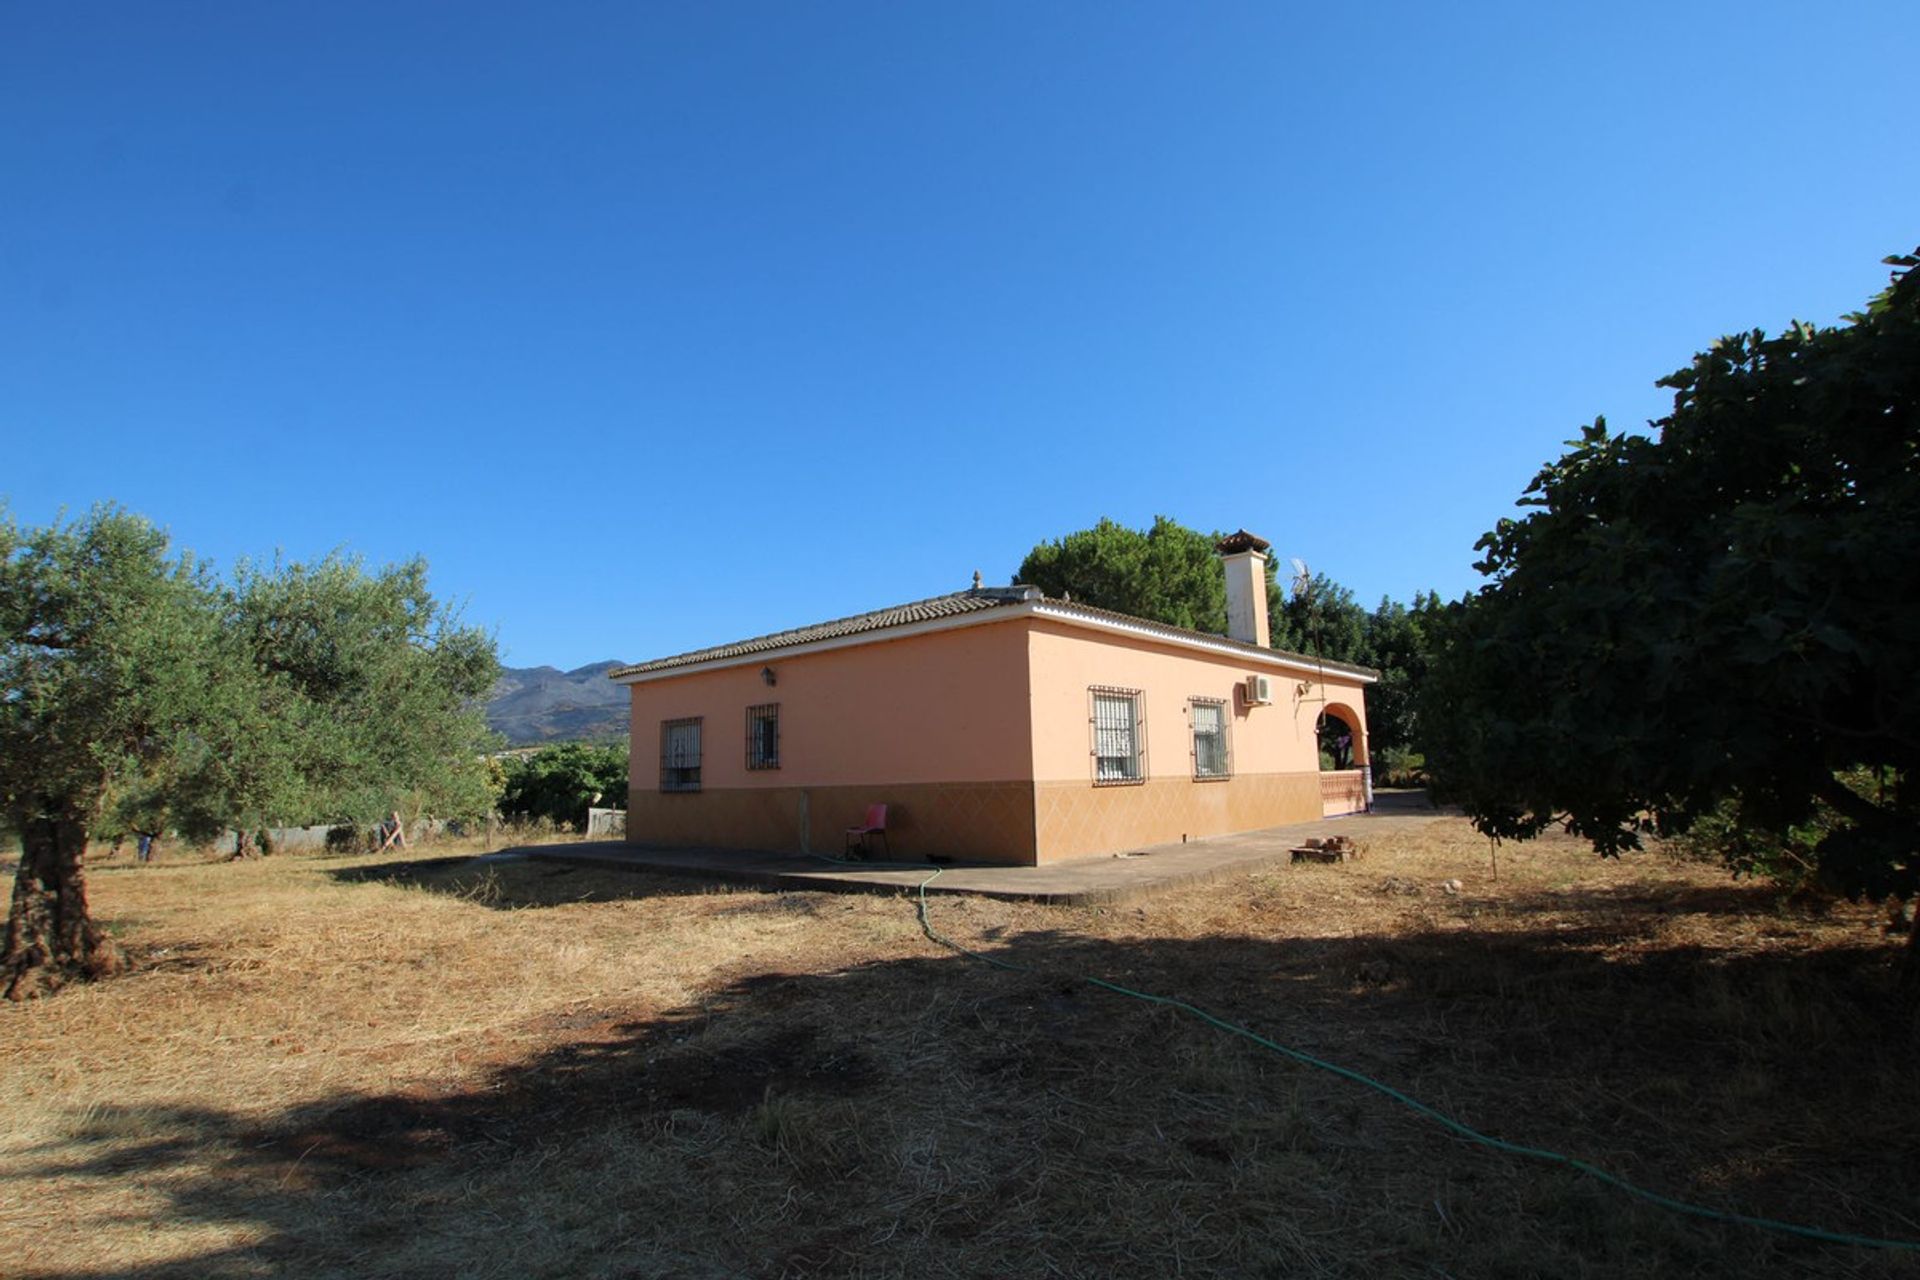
(654, 326)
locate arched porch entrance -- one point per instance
(1346, 775)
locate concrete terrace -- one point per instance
(1106, 879)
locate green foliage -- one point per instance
(1323, 621)
(559, 783)
(1737, 836)
(1725, 834)
(1727, 612)
(113, 665)
(1399, 645)
(1168, 573)
(1399, 767)
(373, 692)
(142, 693)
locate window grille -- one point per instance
(1118, 737)
(680, 755)
(763, 736)
(1211, 758)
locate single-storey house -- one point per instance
(997, 725)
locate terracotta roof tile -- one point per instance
(948, 606)
(898, 615)
(1241, 540)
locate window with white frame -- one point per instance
(1119, 737)
(763, 736)
(1211, 759)
(680, 755)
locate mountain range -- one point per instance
(532, 705)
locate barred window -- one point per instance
(1118, 737)
(1210, 756)
(680, 755)
(763, 736)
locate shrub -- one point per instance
(559, 783)
(1399, 767)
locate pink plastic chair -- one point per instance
(875, 825)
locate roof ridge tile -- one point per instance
(950, 605)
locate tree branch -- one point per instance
(1848, 802)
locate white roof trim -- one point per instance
(1226, 648)
(761, 657)
(1004, 613)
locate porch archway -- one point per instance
(1342, 740)
(1346, 779)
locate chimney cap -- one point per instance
(1240, 540)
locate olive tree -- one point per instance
(111, 664)
(132, 681)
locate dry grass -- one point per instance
(347, 1067)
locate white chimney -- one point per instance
(1244, 556)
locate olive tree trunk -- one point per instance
(51, 940)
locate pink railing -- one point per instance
(1343, 791)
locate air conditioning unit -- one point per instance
(1259, 690)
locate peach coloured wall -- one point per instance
(1272, 739)
(1273, 749)
(978, 739)
(934, 725)
(948, 706)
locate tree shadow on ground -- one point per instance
(938, 1115)
(1644, 908)
(508, 882)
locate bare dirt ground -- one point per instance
(356, 1068)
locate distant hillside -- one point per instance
(542, 704)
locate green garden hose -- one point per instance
(1413, 1104)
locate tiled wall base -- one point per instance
(974, 821)
(1076, 819)
(1008, 822)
